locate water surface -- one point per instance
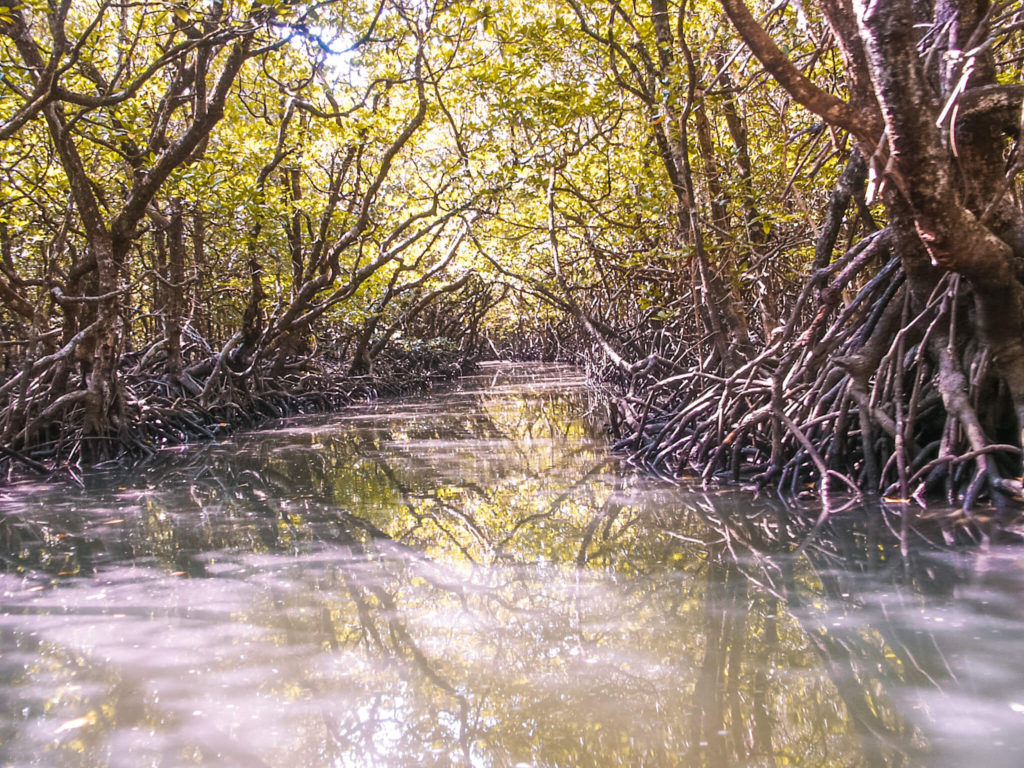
(468, 578)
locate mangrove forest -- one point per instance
(507, 384)
(787, 239)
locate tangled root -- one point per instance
(863, 396)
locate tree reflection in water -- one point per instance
(465, 580)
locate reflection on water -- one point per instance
(470, 579)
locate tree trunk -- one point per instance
(174, 310)
(103, 418)
(953, 226)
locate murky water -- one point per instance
(470, 579)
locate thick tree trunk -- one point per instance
(102, 420)
(252, 316)
(362, 359)
(923, 169)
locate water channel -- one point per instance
(470, 578)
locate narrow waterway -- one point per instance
(469, 578)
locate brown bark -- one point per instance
(109, 237)
(954, 236)
(833, 110)
(737, 125)
(727, 325)
(842, 20)
(293, 226)
(850, 182)
(175, 307)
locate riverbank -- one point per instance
(158, 413)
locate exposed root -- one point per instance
(42, 432)
(875, 395)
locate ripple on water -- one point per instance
(468, 578)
